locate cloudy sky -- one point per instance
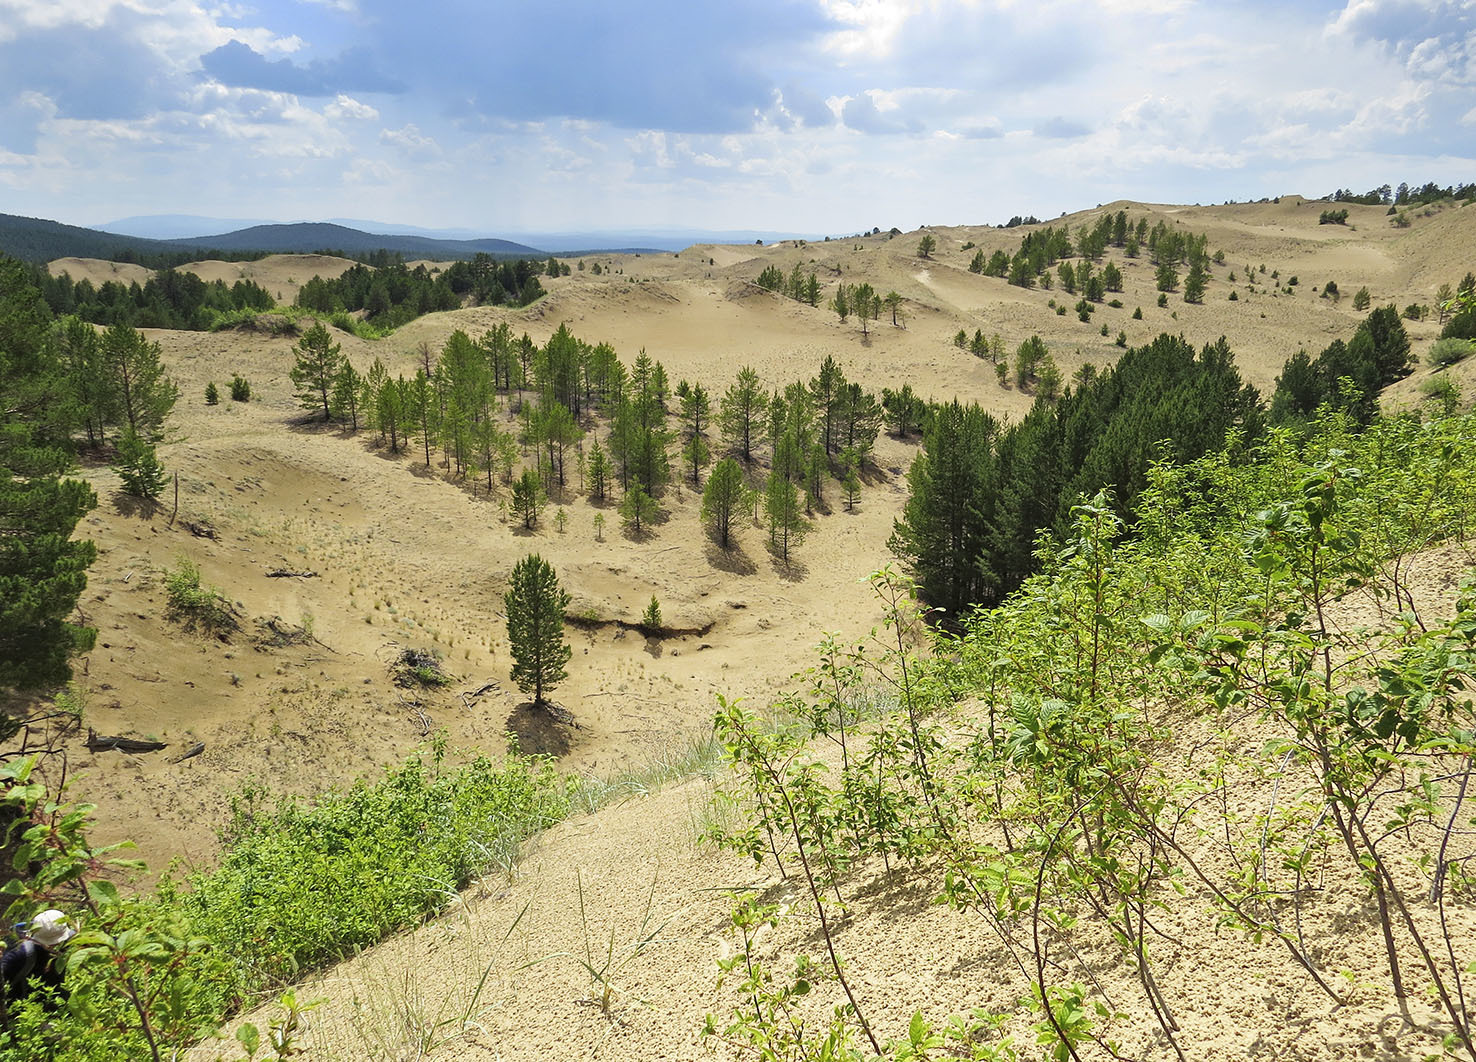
(797, 115)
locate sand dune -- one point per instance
(404, 558)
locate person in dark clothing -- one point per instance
(32, 962)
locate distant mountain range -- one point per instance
(192, 226)
(40, 240)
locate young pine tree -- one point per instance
(528, 498)
(319, 361)
(724, 498)
(535, 627)
(637, 508)
(782, 507)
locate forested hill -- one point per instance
(306, 237)
(39, 240)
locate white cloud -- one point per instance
(409, 138)
(346, 107)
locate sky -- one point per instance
(808, 116)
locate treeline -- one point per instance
(560, 396)
(168, 299)
(1346, 376)
(1041, 250)
(1406, 195)
(980, 492)
(391, 294)
(382, 286)
(798, 285)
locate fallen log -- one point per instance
(194, 750)
(287, 573)
(101, 743)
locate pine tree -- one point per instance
(319, 361)
(43, 569)
(137, 465)
(825, 390)
(1194, 283)
(528, 498)
(782, 507)
(91, 382)
(144, 393)
(724, 497)
(695, 408)
(347, 386)
(599, 472)
(535, 627)
(851, 484)
(941, 533)
(637, 508)
(893, 300)
(420, 410)
(741, 414)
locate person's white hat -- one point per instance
(50, 928)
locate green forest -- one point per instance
(381, 290)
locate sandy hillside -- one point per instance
(339, 556)
(406, 559)
(280, 274)
(502, 974)
(98, 272)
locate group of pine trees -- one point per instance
(43, 569)
(391, 294)
(382, 287)
(1168, 249)
(798, 285)
(980, 492)
(1406, 195)
(451, 413)
(169, 299)
(1345, 376)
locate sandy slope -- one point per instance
(405, 558)
(408, 559)
(641, 869)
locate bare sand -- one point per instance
(404, 558)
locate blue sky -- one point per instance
(802, 115)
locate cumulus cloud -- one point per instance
(1436, 39)
(671, 64)
(346, 107)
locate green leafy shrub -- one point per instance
(1445, 352)
(343, 872)
(212, 394)
(240, 389)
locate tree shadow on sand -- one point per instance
(791, 570)
(542, 730)
(732, 560)
(125, 504)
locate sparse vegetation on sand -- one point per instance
(1194, 782)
